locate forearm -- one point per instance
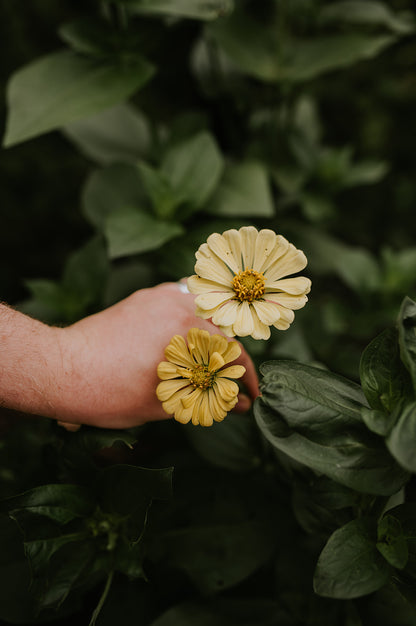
(30, 364)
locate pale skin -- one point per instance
(100, 371)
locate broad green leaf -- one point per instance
(120, 133)
(377, 421)
(367, 13)
(402, 438)
(90, 36)
(243, 191)
(384, 379)
(406, 516)
(111, 189)
(219, 556)
(86, 272)
(61, 502)
(365, 173)
(233, 444)
(316, 207)
(350, 565)
(193, 168)
(62, 87)
(391, 542)
(407, 337)
(40, 551)
(197, 9)
(356, 266)
(164, 197)
(314, 416)
(130, 231)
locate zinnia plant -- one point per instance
(240, 281)
(194, 384)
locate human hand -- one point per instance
(110, 359)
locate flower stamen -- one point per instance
(201, 377)
(249, 285)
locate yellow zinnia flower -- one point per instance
(240, 282)
(194, 387)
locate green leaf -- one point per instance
(61, 503)
(365, 173)
(111, 189)
(391, 541)
(243, 191)
(378, 422)
(384, 380)
(233, 444)
(197, 9)
(86, 272)
(130, 231)
(40, 551)
(164, 197)
(62, 87)
(120, 133)
(402, 438)
(407, 337)
(350, 566)
(368, 13)
(321, 413)
(193, 168)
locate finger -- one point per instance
(72, 428)
(243, 404)
(250, 378)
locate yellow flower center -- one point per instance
(249, 285)
(202, 378)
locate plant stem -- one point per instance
(102, 599)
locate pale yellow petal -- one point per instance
(268, 312)
(243, 325)
(265, 244)
(233, 239)
(226, 314)
(205, 315)
(218, 343)
(291, 262)
(233, 352)
(209, 266)
(294, 286)
(177, 352)
(167, 388)
(166, 370)
(227, 330)
(280, 248)
(222, 249)
(286, 318)
(198, 285)
(261, 331)
(284, 299)
(234, 371)
(208, 301)
(248, 245)
(227, 389)
(216, 361)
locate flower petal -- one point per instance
(177, 352)
(286, 318)
(216, 361)
(284, 299)
(198, 285)
(233, 352)
(222, 249)
(280, 248)
(225, 405)
(209, 266)
(171, 405)
(268, 312)
(205, 416)
(183, 415)
(167, 388)
(233, 238)
(189, 400)
(207, 301)
(166, 370)
(218, 343)
(294, 286)
(261, 331)
(198, 342)
(265, 243)
(291, 262)
(217, 411)
(243, 325)
(234, 371)
(226, 314)
(226, 389)
(248, 240)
